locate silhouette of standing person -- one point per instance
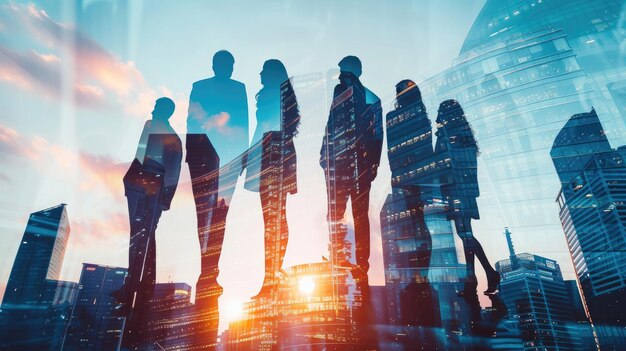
(410, 147)
(150, 184)
(455, 138)
(350, 156)
(271, 163)
(217, 136)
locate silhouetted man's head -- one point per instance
(223, 62)
(163, 109)
(351, 64)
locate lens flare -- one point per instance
(306, 285)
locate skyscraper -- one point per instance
(168, 320)
(422, 269)
(27, 318)
(524, 68)
(533, 290)
(39, 257)
(96, 321)
(592, 208)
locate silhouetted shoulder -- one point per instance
(222, 83)
(237, 84)
(202, 83)
(370, 97)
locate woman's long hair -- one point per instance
(290, 114)
(276, 83)
(452, 125)
(274, 74)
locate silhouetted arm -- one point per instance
(244, 103)
(193, 111)
(173, 154)
(329, 132)
(143, 142)
(377, 137)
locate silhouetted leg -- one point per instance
(136, 212)
(360, 214)
(144, 213)
(272, 229)
(364, 315)
(337, 201)
(414, 204)
(473, 248)
(204, 170)
(478, 251)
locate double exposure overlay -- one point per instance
(358, 175)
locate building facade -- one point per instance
(593, 215)
(97, 321)
(30, 318)
(524, 68)
(532, 288)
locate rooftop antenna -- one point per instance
(509, 241)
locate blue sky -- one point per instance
(79, 79)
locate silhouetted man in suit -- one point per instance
(350, 156)
(217, 136)
(150, 184)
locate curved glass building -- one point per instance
(525, 67)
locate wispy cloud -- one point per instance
(94, 172)
(94, 76)
(108, 227)
(102, 171)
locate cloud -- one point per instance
(4, 178)
(218, 122)
(16, 145)
(93, 171)
(110, 226)
(102, 170)
(98, 77)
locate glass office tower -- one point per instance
(96, 321)
(524, 68)
(533, 290)
(593, 213)
(39, 257)
(30, 318)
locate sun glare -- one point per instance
(233, 309)
(306, 285)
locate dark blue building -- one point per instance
(535, 294)
(29, 317)
(592, 208)
(96, 322)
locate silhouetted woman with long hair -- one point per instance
(460, 187)
(272, 162)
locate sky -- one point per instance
(78, 79)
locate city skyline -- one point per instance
(75, 161)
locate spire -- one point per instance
(509, 242)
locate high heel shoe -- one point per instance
(493, 283)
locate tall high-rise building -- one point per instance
(524, 68)
(592, 208)
(167, 323)
(29, 317)
(97, 322)
(533, 290)
(39, 257)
